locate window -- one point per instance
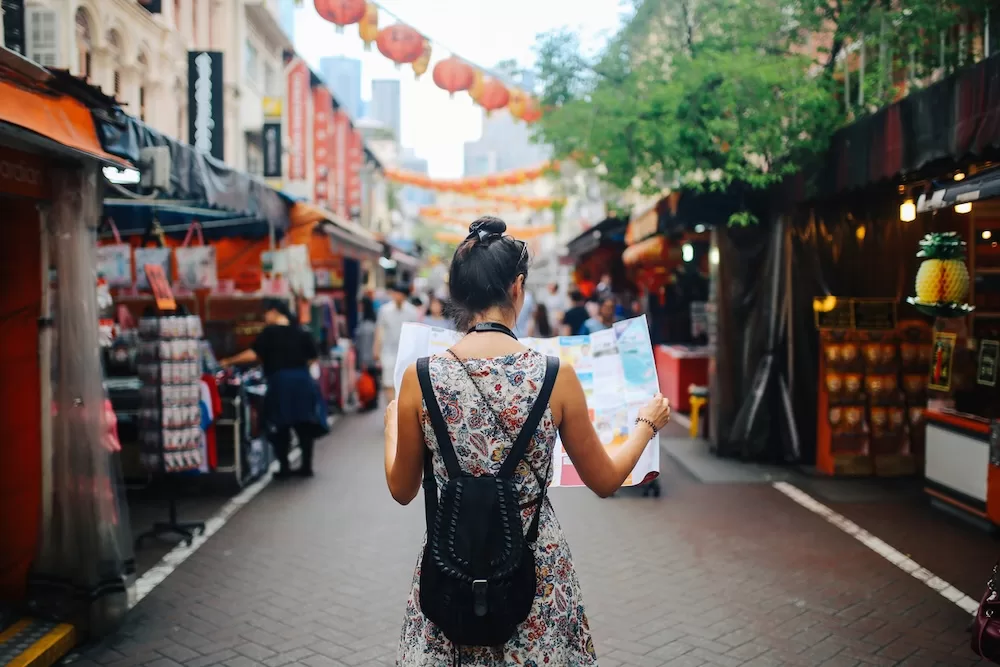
(270, 80)
(83, 43)
(117, 83)
(250, 61)
(255, 158)
(114, 51)
(142, 103)
(42, 36)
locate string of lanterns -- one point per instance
(471, 184)
(404, 45)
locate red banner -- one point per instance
(355, 162)
(322, 153)
(342, 127)
(298, 100)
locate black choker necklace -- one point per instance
(494, 327)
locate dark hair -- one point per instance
(277, 304)
(484, 268)
(367, 309)
(577, 296)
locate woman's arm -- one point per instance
(242, 359)
(404, 440)
(602, 473)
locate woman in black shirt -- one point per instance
(286, 351)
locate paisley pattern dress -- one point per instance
(556, 631)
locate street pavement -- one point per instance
(315, 573)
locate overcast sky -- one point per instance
(482, 31)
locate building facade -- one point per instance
(505, 144)
(343, 77)
(385, 105)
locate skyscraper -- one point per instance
(343, 77)
(384, 106)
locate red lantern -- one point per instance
(400, 43)
(494, 96)
(341, 12)
(532, 112)
(453, 74)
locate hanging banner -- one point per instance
(342, 125)
(206, 129)
(272, 150)
(322, 155)
(355, 162)
(298, 100)
(114, 264)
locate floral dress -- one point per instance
(556, 631)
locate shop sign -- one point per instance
(206, 129)
(642, 227)
(840, 313)
(342, 126)
(942, 360)
(13, 24)
(355, 162)
(160, 287)
(271, 107)
(322, 153)
(22, 174)
(989, 357)
(272, 150)
(298, 101)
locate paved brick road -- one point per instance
(316, 573)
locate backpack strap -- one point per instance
(520, 447)
(437, 423)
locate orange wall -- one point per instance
(20, 395)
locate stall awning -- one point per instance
(134, 217)
(194, 175)
(609, 230)
(344, 232)
(984, 185)
(407, 261)
(655, 251)
(44, 116)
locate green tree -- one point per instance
(705, 93)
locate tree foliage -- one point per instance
(705, 93)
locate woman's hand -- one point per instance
(391, 422)
(657, 411)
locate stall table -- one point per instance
(678, 367)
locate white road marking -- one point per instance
(886, 551)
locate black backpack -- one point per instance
(477, 575)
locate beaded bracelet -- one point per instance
(647, 422)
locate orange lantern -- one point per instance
(368, 27)
(341, 12)
(476, 89)
(400, 43)
(421, 64)
(453, 74)
(517, 104)
(532, 111)
(495, 96)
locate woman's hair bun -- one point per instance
(488, 224)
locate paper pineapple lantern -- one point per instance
(943, 278)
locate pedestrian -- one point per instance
(364, 344)
(388, 327)
(576, 316)
(606, 316)
(293, 401)
(487, 294)
(541, 327)
(435, 316)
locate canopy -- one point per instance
(356, 239)
(984, 185)
(609, 230)
(42, 115)
(134, 217)
(195, 176)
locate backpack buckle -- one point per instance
(479, 604)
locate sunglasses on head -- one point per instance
(483, 235)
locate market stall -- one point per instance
(65, 529)
(598, 251)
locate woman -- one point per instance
(487, 291)
(435, 314)
(286, 352)
(542, 326)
